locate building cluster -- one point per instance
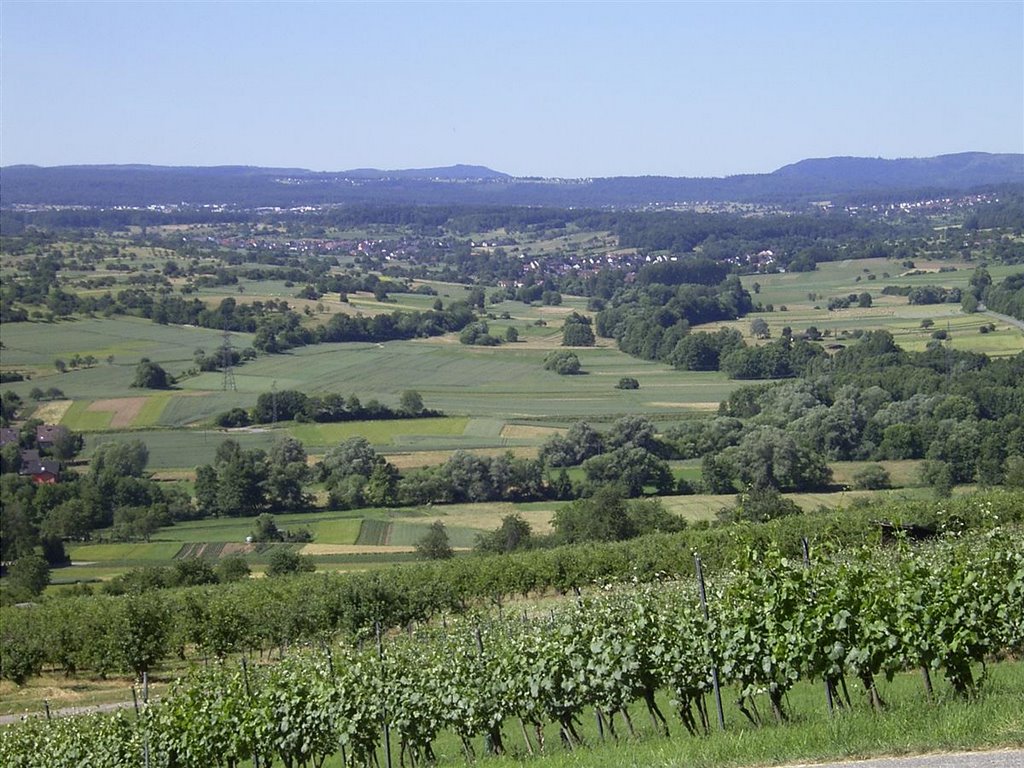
(41, 468)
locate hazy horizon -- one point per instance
(454, 165)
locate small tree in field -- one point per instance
(563, 362)
(434, 545)
(150, 375)
(873, 477)
(411, 403)
(285, 561)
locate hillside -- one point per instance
(244, 186)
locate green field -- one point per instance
(892, 313)
(381, 433)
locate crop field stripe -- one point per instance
(80, 419)
(384, 432)
(404, 533)
(151, 411)
(374, 533)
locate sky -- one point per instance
(570, 89)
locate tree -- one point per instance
(511, 334)
(17, 533)
(937, 475)
(873, 477)
(354, 456)
(769, 457)
(235, 485)
(192, 572)
(285, 561)
(266, 529)
(150, 375)
(628, 382)
(580, 443)
(287, 471)
(602, 517)
(759, 328)
(232, 568)
(650, 516)
(411, 403)
(562, 362)
(631, 468)
(434, 544)
(1013, 472)
(633, 431)
(478, 333)
(514, 533)
(142, 631)
(759, 505)
(864, 300)
(577, 331)
(60, 365)
(28, 577)
(381, 488)
(127, 459)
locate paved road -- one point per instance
(1005, 758)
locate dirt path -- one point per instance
(1005, 318)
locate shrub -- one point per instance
(873, 477)
(563, 362)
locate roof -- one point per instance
(8, 435)
(33, 464)
(49, 433)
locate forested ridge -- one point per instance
(250, 186)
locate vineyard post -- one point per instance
(714, 667)
(807, 564)
(135, 701)
(145, 701)
(46, 706)
(384, 700)
(248, 695)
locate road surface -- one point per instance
(1004, 758)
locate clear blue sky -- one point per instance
(547, 89)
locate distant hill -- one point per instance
(959, 171)
(448, 173)
(244, 186)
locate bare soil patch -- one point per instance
(352, 549)
(125, 409)
(708, 406)
(528, 432)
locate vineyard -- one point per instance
(846, 621)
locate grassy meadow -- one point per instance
(895, 314)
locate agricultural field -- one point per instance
(495, 399)
(903, 320)
(372, 538)
(487, 392)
